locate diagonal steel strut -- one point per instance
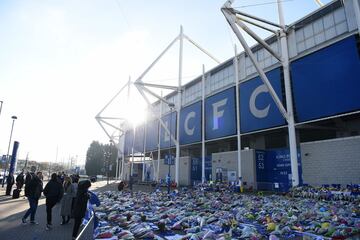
(232, 21)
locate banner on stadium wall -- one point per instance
(129, 138)
(169, 159)
(190, 124)
(257, 108)
(220, 115)
(273, 169)
(170, 122)
(196, 167)
(152, 135)
(139, 138)
(326, 82)
(13, 157)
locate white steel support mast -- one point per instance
(159, 151)
(143, 88)
(178, 107)
(239, 163)
(203, 125)
(289, 102)
(357, 13)
(145, 132)
(235, 19)
(119, 130)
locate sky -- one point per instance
(61, 61)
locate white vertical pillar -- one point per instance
(239, 163)
(357, 13)
(159, 132)
(117, 165)
(132, 155)
(203, 125)
(122, 161)
(177, 160)
(143, 172)
(289, 103)
(153, 165)
(132, 148)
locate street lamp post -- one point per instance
(7, 155)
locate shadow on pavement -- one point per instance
(11, 227)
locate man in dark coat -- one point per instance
(80, 205)
(53, 192)
(20, 180)
(9, 183)
(33, 189)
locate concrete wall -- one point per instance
(228, 162)
(184, 171)
(335, 161)
(184, 174)
(126, 171)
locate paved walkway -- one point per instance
(12, 210)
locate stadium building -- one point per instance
(324, 54)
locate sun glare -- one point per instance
(135, 113)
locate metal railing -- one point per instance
(81, 235)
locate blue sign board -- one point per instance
(190, 124)
(169, 159)
(196, 167)
(273, 169)
(164, 136)
(220, 114)
(257, 108)
(152, 135)
(139, 139)
(326, 82)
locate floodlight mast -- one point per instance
(235, 19)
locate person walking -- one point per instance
(40, 176)
(62, 176)
(53, 192)
(9, 183)
(33, 189)
(20, 180)
(80, 205)
(75, 185)
(66, 201)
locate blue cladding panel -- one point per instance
(152, 135)
(196, 167)
(13, 157)
(220, 117)
(257, 108)
(327, 82)
(164, 137)
(261, 167)
(274, 166)
(190, 124)
(129, 137)
(139, 139)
